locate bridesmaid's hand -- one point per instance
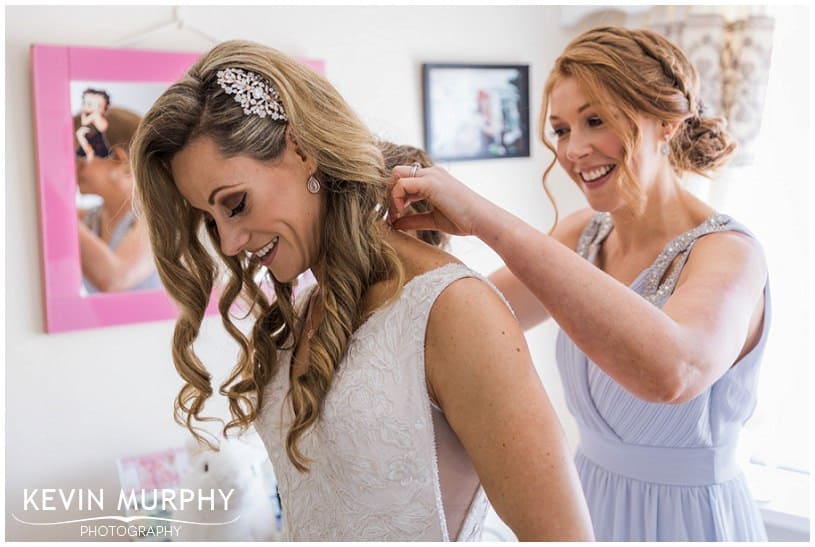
(456, 208)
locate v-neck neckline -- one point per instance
(667, 249)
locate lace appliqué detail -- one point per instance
(373, 472)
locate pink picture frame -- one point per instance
(53, 70)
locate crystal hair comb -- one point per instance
(253, 93)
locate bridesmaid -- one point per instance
(663, 302)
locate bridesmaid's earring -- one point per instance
(664, 149)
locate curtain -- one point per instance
(730, 46)
(733, 61)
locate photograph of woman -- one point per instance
(113, 243)
(663, 303)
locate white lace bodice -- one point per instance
(384, 460)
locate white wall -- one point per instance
(76, 402)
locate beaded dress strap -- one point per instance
(593, 235)
(92, 220)
(680, 248)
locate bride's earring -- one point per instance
(313, 185)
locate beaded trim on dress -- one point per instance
(655, 292)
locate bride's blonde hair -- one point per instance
(354, 255)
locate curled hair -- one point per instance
(403, 154)
(630, 72)
(353, 251)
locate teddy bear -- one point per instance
(240, 480)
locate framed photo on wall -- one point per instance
(475, 111)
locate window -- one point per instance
(772, 197)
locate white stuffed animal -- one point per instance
(242, 468)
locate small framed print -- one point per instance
(476, 111)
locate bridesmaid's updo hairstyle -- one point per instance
(629, 72)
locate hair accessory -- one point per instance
(313, 185)
(414, 168)
(253, 93)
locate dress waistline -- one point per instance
(697, 466)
